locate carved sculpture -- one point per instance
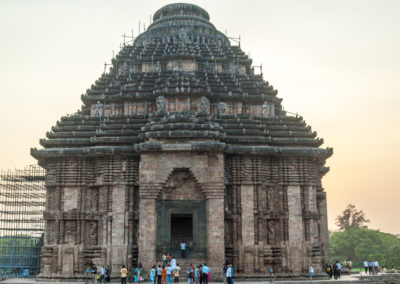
(160, 102)
(204, 105)
(221, 107)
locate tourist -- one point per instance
(130, 275)
(173, 264)
(169, 274)
(335, 270)
(159, 274)
(231, 266)
(123, 274)
(369, 267)
(206, 272)
(164, 260)
(224, 269)
(176, 275)
(153, 274)
(328, 269)
(376, 267)
(190, 273)
(366, 266)
(108, 273)
(183, 249)
(310, 271)
(141, 278)
(136, 274)
(197, 275)
(169, 257)
(102, 274)
(339, 269)
(164, 275)
(228, 274)
(201, 273)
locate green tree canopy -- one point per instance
(359, 244)
(351, 218)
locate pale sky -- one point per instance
(336, 63)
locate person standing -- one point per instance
(339, 269)
(201, 273)
(224, 269)
(173, 264)
(228, 274)
(123, 274)
(231, 266)
(197, 275)
(206, 271)
(366, 267)
(169, 274)
(102, 274)
(164, 260)
(310, 271)
(153, 274)
(190, 273)
(159, 274)
(164, 275)
(183, 249)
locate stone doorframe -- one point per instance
(153, 174)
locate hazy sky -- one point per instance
(336, 63)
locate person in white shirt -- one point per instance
(183, 249)
(310, 271)
(228, 274)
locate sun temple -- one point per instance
(182, 140)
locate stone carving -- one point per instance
(182, 34)
(93, 233)
(271, 232)
(270, 200)
(99, 109)
(221, 107)
(266, 109)
(204, 105)
(69, 231)
(160, 102)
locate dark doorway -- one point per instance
(181, 229)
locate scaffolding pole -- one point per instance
(22, 202)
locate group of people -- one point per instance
(371, 267)
(227, 272)
(333, 269)
(164, 274)
(133, 275)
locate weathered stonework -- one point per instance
(181, 131)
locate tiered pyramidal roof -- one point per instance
(181, 82)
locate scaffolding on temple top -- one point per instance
(22, 202)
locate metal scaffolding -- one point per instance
(22, 202)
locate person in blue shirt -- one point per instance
(206, 271)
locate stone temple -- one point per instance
(181, 140)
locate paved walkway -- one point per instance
(350, 279)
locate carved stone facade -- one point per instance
(204, 154)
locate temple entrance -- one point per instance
(179, 220)
(181, 229)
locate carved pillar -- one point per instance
(295, 228)
(215, 224)
(247, 205)
(118, 242)
(323, 226)
(147, 224)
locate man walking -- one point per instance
(228, 274)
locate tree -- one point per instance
(351, 218)
(360, 244)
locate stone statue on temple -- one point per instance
(266, 109)
(160, 102)
(271, 232)
(204, 105)
(93, 233)
(99, 109)
(221, 108)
